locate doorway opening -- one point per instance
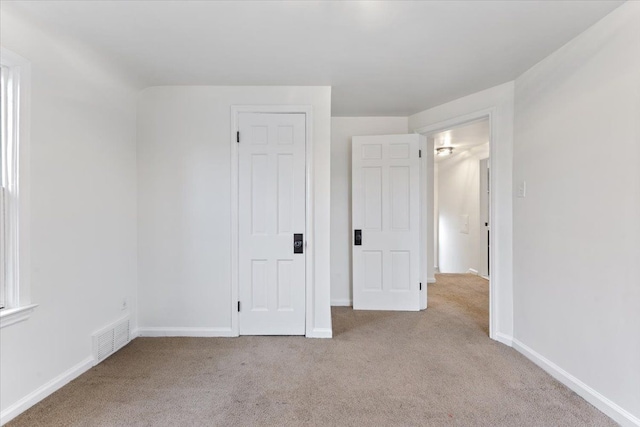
(499, 181)
(458, 212)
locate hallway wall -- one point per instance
(458, 196)
(577, 231)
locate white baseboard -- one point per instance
(431, 280)
(472, 271)
(45, 390)
(617, 413)
(210, 332)
(504, 339)
(320, 333)
(341, 303)
(184, 332)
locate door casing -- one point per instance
(495, 281)
(309, 207)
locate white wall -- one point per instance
(83, 210)
(184, 204)
(577, 232)
(459, 194)
(499, 102)
(342, 129)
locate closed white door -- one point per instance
(271, 215)
(386, 222)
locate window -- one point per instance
(8, 101)
(14, 83)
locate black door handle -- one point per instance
(357, 238)
(298, 245)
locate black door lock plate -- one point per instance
(298, 245)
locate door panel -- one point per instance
(400, 198)
(401, 270)
(372, 198)
(271, 209)
(372, 270)
(386, 207)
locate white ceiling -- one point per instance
(382, 58)
(462, 138)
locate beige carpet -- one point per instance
(433, 368)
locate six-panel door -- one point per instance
(271, 210)
(385, 209)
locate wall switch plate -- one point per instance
(464, 224)
(522, 189)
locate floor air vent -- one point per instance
(110, 339)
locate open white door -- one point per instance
(271, 224)
(386, 222)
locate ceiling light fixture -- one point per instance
(444, 151)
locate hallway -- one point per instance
(463, 295)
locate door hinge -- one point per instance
(420, 285)
(238, 136)
(419, 153)
(238, 306)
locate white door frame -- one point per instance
(484, 244)
(490, 113)
(307, 110)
